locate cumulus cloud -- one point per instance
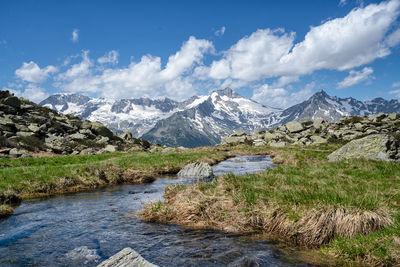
(394, 38)
(342, 2)
(220, 32)
(81, 69)
(356, 77)
(338, 44)
(280, 97)
(75, 36)
(110, 57)
(31, 72)
(144, 78)
(31, 92)
(266, 56)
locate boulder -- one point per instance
(87, 151)
(236, 139)
(277, 144)
(99, 129)
(34, 128)
(294, 126)
(127, 135)
(269, 136)
(239, 133)
(318, 140)
(199, 170)
(126, 258)
(12, 101)
(77, 136)
(259, 142)
(377, 147)
(110, 148)
(392, 116)
(317, 123)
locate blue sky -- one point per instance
(276, 52)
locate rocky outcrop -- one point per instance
(376, 146)
(199, 170)
(126, 258)
(27, 128)
(320, 131)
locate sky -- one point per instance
(276, 52)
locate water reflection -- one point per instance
(86, 228)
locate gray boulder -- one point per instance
(126, 258)
(294, 127)
(377, 147)
(110, 148)
(200, 170)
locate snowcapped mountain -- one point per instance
(136, 115)
(332, 108)
(203, 120)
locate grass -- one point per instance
(349, 209)
(32, 177)
(5, 211)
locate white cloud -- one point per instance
(356, 77)
(220, 32)
(75, 36)
(280, 97)
(395, 92)
(31, 72)
(31, 92)
(110, 57)
(396, 84)
(338, 44)
(143, 78)
(342, 2)
(394, 38)
(284, 80)
(78, 70)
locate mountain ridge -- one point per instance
(203, 120)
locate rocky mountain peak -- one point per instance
(226, 92)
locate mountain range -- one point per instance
(203, 120)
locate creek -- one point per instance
(87, 228)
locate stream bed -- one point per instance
(87, 228)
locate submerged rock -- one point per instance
(200, 170)
(126, 258)
(377, 146)
(83, 254)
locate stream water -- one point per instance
(87, 228)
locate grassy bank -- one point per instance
(36, 177)
(347, 209)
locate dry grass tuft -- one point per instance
(5, 211)
(194, 208)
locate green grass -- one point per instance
(306, 181)
(28, 176)
(311, 181)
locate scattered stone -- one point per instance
(317, 123)
(294, 127)
(317, 140)
(77, 136)
(126, 258)
(377, 147)
(110, 148)
(200, 170)
(392, 116)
